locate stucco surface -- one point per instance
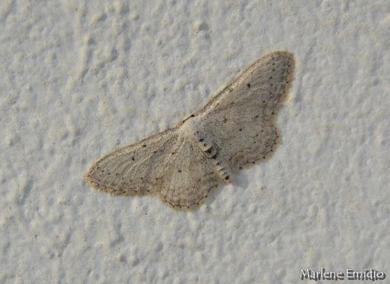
(80, 78)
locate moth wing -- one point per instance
(241, 117)
(134, 169)
(189, 178)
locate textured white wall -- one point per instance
(79, 78)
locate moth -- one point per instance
(183, 164)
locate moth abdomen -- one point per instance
(222, 170)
